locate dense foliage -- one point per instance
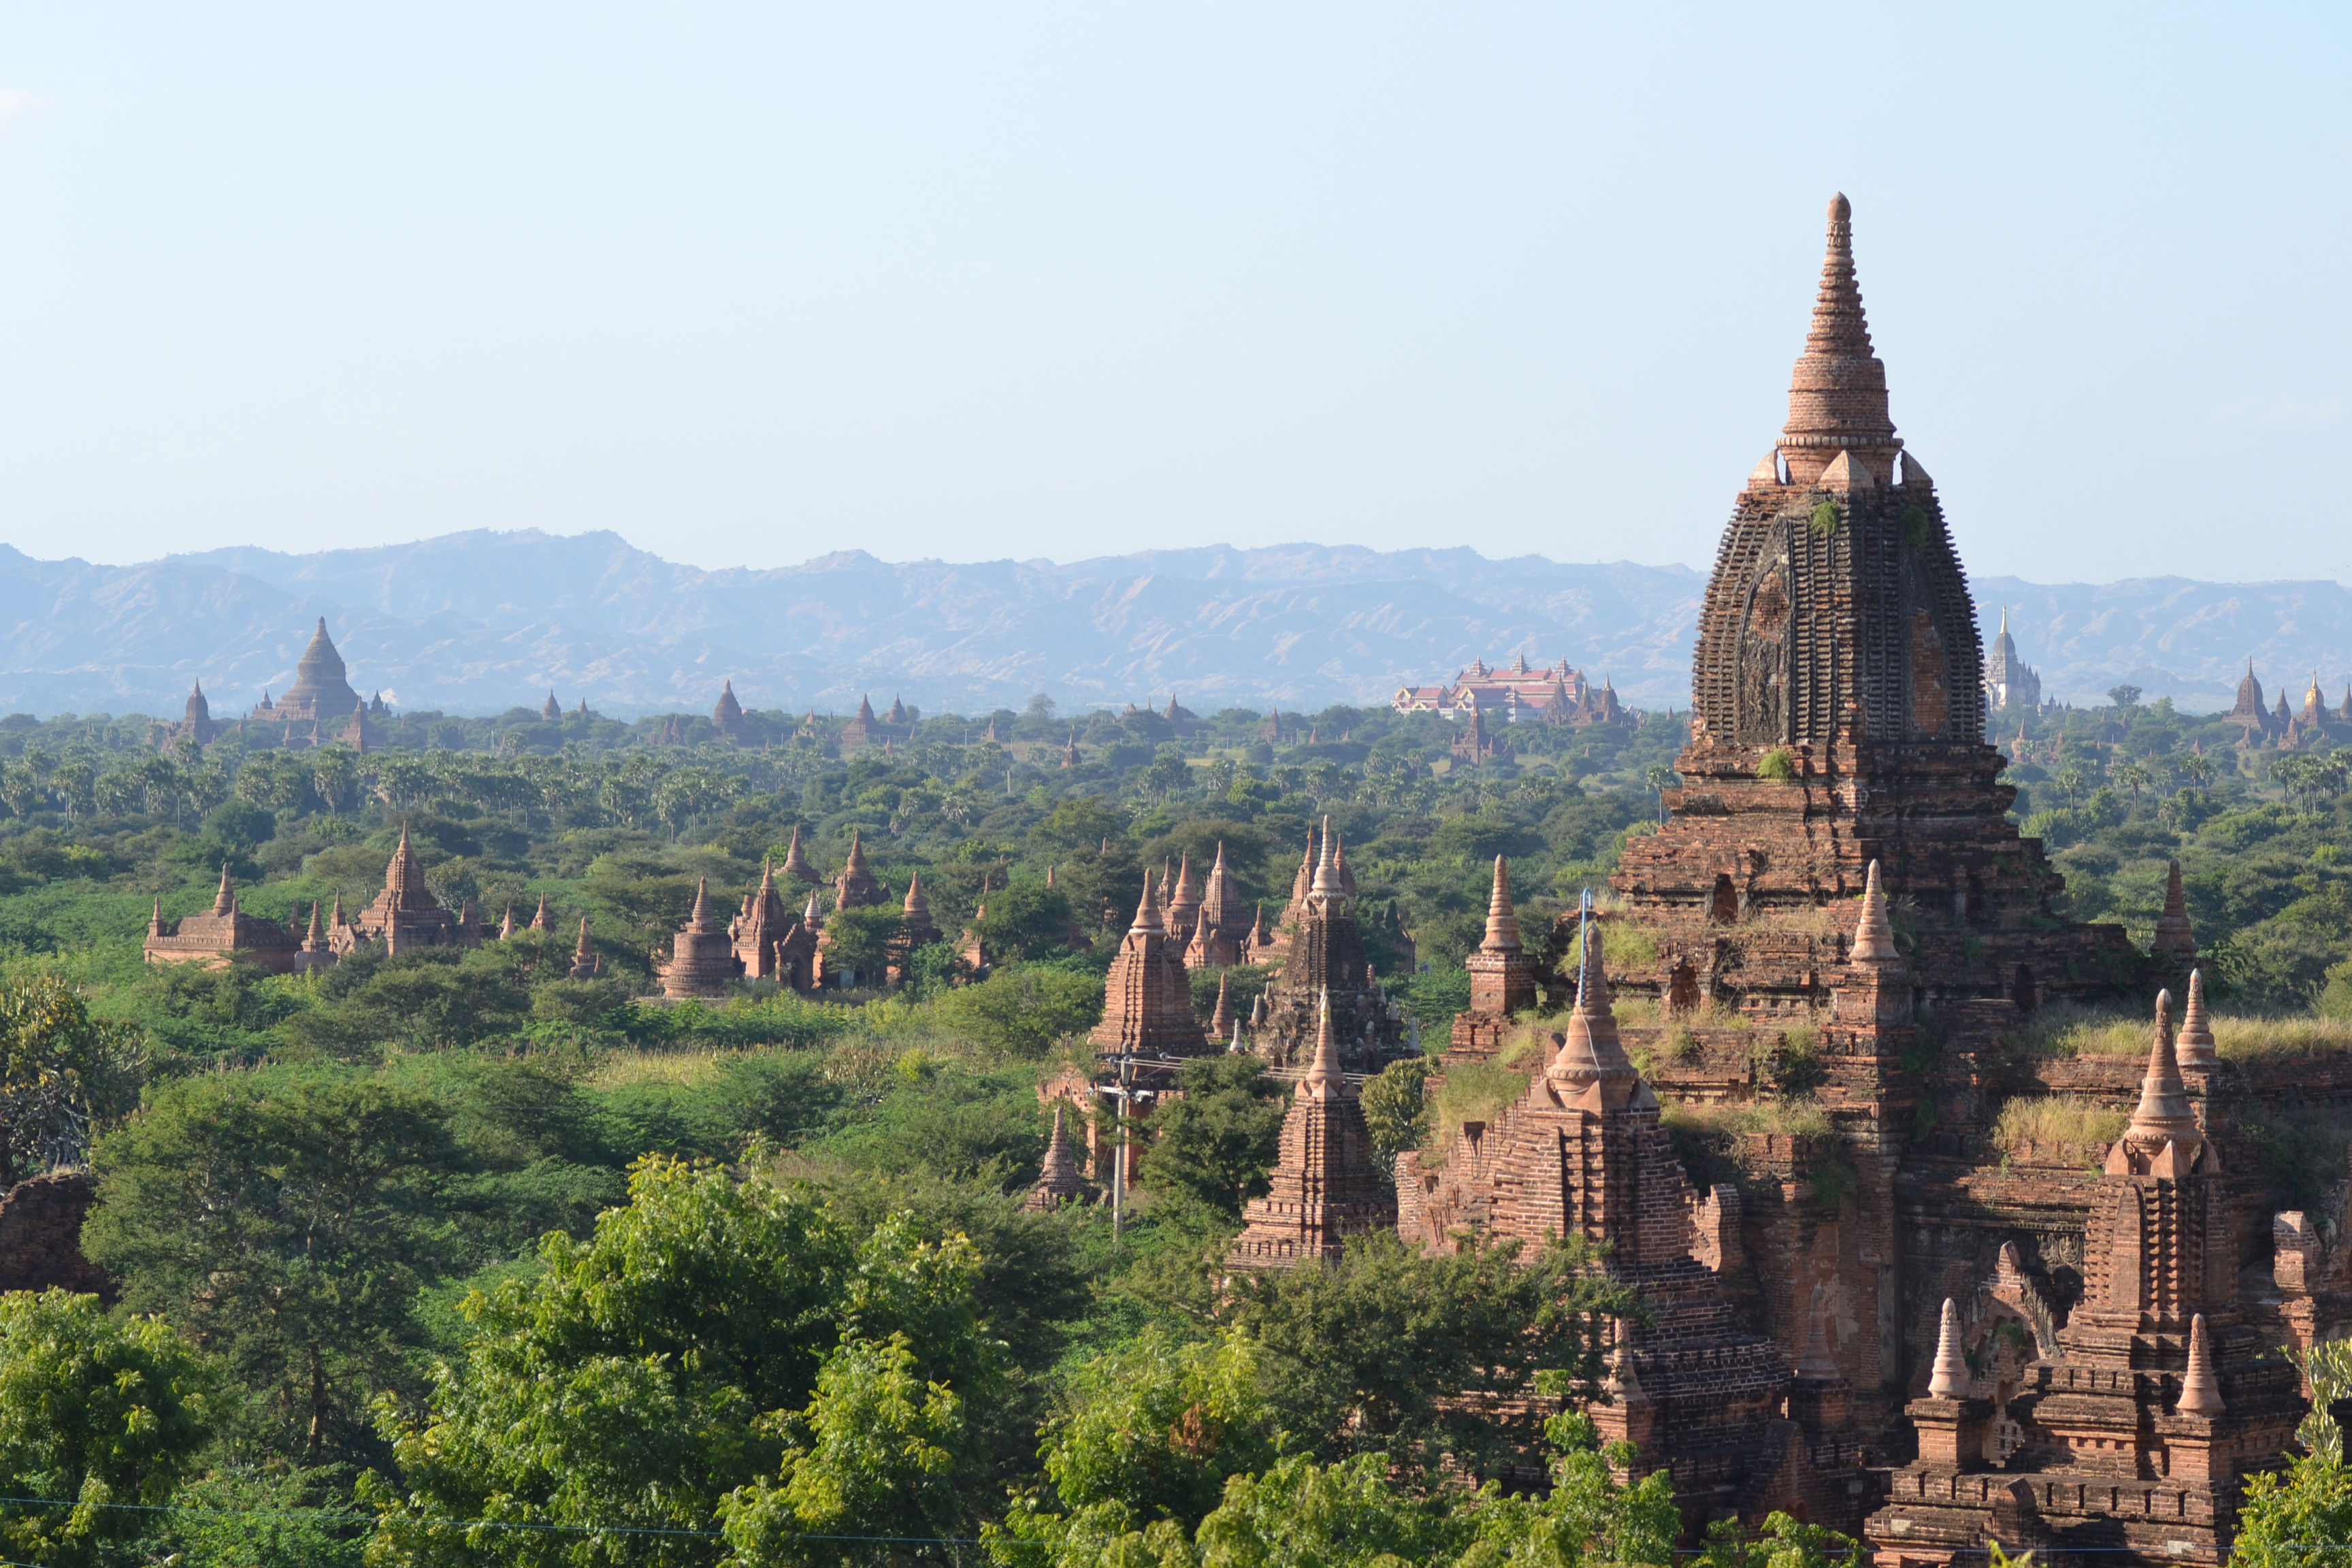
(446, 1257)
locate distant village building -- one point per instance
(2009, 683)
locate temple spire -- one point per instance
(1322, 1079)
(2194, 1045)
(2163, 1115)
(1327, 874)
(1950, 1380)
(1837, 395)
(1502, 919)
(1146, 910)
(699, 920)
(2200, 1389)
(1873, 934)
(226, 899)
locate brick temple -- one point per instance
(1883, 1323)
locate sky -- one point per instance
(751, 283)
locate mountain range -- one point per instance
(482, 621)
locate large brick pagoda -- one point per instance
(1838, 718)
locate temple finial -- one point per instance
(1837, 396)
(1502, 918)
(2200, 1389)
(1873, 934)
(1950, 1378)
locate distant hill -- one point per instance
(479, 622)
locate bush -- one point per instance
(1024, 1010)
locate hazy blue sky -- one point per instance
(748, 283)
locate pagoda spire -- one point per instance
(1950, 1380)
(1873, 934)
(1502, 919)
(1327, 874)
(1146, 910)
(699, 920)
(2200, 1389)
(2164, 1115)
(1837, 395)
(2193, 1047)
(224, 902)
(1323, 1078)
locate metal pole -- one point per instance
(1119, 1155)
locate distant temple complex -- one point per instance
(2009, 687)
(1519, 693)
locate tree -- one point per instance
(691, 1363)
(1393, 1350)
(2071, 778)
(873, 1455)
(1150, 1430)
(2300, 1517)
(285, 1217)
(859, 941)
(1027, 921)
(106, 1413)
(1396, 1110)
(2123, 698)
(64, 1074)
(1213, 1147)
(1022, 1010)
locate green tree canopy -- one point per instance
(284, 1219)
(106, 1414)
(715, 1338)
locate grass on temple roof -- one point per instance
(1474, 1091)
(1797, 1118)
(2062, 1029)
(2057, 1118)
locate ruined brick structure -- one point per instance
(1582, 1152)
(2132, 1425)
(40, 1235)
(1323, 1188)
(702, 956)
(223, 935)
(760, 929)
(1838, 718)
(1059, 1180)
(1148, 996)
(1324, 964)
(2056, 1344)
(1220, 937)
(1502, 978)
(404, 916)
(917, 927)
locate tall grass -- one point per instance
(2056, 1119)
(2064, 1029)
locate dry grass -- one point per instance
(628, 1069)
(2062, 1029)
(1475, 1092)
(1625, 948)
(2056, 1119)
(1781, 1118)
